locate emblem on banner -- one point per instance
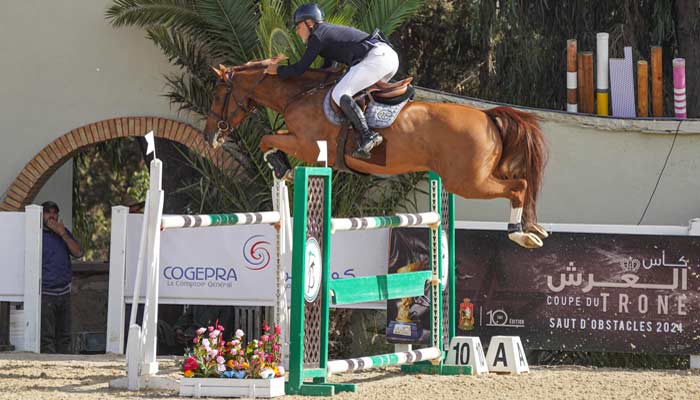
(256, 253)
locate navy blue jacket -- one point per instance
(338, 43)
(56, 270)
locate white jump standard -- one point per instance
(142, 366)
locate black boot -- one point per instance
(279, 163)
(368, 139)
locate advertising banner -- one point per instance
(580, 292)
(235, 265)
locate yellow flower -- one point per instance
(188, 374)
(245, 365)
(229, 363)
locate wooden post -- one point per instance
(585, 87)
(602, 70)
(657, 82)
(571, 78)
(679, 107)
(642, 88)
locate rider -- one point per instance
(369, 57)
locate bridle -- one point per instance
(223, 126)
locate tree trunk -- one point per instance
(487, 70)
(688, 32)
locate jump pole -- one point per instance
(313, 291)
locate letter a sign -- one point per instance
(506, 354)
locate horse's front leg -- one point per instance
(274, 148)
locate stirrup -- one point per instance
(363, 151)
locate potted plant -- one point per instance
(215, 367)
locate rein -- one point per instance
(324, 84)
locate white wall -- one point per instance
(63, 66)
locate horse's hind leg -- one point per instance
(514, 190)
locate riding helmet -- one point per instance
(308, 11)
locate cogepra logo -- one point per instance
(194, 277)
(256, 253)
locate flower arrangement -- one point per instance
(213, 357)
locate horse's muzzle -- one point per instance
(218, 137)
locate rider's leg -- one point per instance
(368, 139)
(380, 63)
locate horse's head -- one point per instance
(228, 107)
(233, 98)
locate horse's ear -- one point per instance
(223, 68)
(216, 71)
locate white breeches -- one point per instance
(380, 64)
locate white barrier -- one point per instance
(142, 365)
(21, 247)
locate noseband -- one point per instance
(223, 126)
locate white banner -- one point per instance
(12, 249)
(235, 265)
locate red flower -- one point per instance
(266, 327)
(278, 330)
(220, 328)
(190, 364)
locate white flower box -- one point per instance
(227, 387)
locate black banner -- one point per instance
(580, 292)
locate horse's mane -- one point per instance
(311, 73)
(259, 64)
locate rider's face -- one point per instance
(303, 31)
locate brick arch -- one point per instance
(40, 168)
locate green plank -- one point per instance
(314, 373)
(377, 288)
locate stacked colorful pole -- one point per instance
(586, 99)
(571, 78)
(679, 87)
(602, 88)
(657, 82)
(642, 88)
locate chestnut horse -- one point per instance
(499, 152)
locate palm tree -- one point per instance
(197, 34)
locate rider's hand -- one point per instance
(278, 58)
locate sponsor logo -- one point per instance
(500, 318)
(256, 253)
(194, 277)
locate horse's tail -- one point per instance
(524, 153)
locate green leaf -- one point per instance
(386, 15)
(229, 28)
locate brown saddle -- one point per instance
(383, 90)
(387, 90)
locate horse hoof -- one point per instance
(538, 230)
(527, 240)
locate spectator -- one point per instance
(58, 246)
